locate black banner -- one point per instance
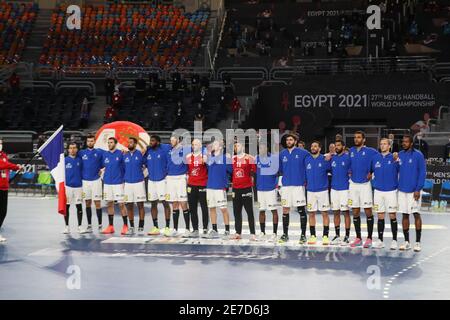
(318, 102)
(439, 172)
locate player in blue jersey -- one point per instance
(317, 168)
(92, 183)
(219, 168)
(340, 168)
(360, 189)
(292, 170)
(385, 182)
(134, 188)
(412, 174)
(112, 162)
(266, 186)
(176, 192)
(73, 185)
(156, 163)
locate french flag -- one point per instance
(52, 151)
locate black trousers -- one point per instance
(3, 205)
(243, 198)
(196, 195)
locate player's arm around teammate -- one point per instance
(219, 167)
(266, 184)
(134, 188)
(242, 169)
(196, 187)
(92, 183)
(317, 168)
(385, 181)
(112, 162)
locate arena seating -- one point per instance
(42, 109)
(125, 35)
(16, 21)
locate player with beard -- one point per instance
(156, 163)
(360, 189)
(112, 162)
(243, 169)
(176, 192)
(292, 170)
(134, 189)
(411, 178)
(317, 168)
(92, 183)
(340, 168)
(196, 187)
(385, 182)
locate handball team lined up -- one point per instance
(342, 183)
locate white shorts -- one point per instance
(318, 201)
(407, 204)
(74, 195)
(385, 201)
(293, 196)
(216, 198)
(360, 195)
(267, 200)
(92, 190)
(156, 190)
(339, 200)
(134, 192)
(176, 188)
(113, 192)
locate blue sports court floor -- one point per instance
(38, 262)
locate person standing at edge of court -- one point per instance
(5, 166)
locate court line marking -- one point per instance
(389, 283)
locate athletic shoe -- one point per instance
(336, 241)
(273, 237)
(80, 229)
(173, 233)
(325, 240)
(253, 238)
(302, 240)
(140, 232)
(235, 236)
(417, 247)
(87, 230)
(125, 230)
(108, 230)
(2, 239)
(405, 246)
(186, 234)
(66, 230)
(213, 234)
(368, 243)
(378, 244)
(356, 243)
(261, 237)
(194, 234)
(312, 240)
(166, 232)
(394, 245)
(226, 235)
(345, 242)
(154, 232)
(130, 231)
(204, 234)
(283, 239)
(100, 227)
